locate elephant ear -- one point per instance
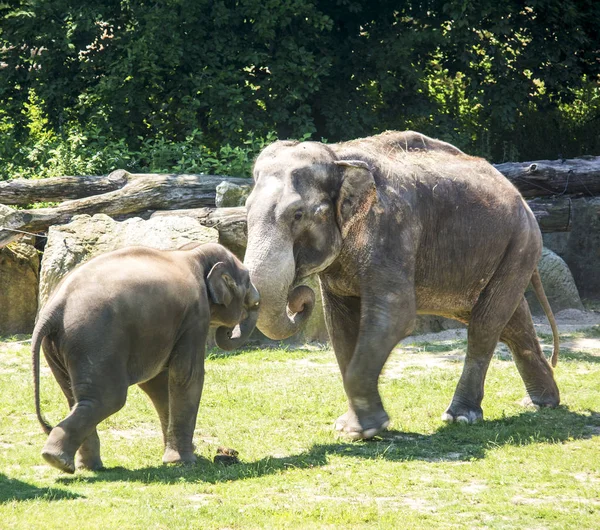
(220, 285)
(357, 193)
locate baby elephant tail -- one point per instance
(536, 283)
(42, 329)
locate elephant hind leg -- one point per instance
(466, 402)
(519, 335)
(489, 316)
(96, 397)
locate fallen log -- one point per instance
(544, 178)
(553, 215)
(541, 178)
(22, 192)
(140, 193)
(121, 194)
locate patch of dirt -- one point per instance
(134, 434)
(569, 320)
(474, 487)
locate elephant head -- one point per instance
(234, 299)
(304, 204)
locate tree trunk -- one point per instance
(554, 177)
(553, 215)
(185, 190)
(22, 192)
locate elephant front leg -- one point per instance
(157, 390)
(362, 343)
(185, 391)
(342, 317)
(88, 454)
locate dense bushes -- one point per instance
(78, 151)
(513, 79)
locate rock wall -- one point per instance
(580, 247)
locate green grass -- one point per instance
(517, 469)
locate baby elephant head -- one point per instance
(234, 301)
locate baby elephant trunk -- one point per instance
(233, 338)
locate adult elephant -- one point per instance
(396, 225)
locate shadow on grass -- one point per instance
(449, 443)
(16, 490)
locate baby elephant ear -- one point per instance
(357, 193)
(220, 284)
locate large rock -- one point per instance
(580, 247)
(228, 194)
(85, 237)
(19, 274)
(559, 285)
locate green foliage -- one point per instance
(505, 80)
(89, 152)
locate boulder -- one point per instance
(19, 275)
(88, 236)
(559, 285)
(230, 195)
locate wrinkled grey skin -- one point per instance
(138, 316)
(396, 225)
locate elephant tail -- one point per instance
(536, 283)
(41, 330)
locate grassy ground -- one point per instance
(517, 469)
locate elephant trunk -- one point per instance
(284, 308)
(233, 338)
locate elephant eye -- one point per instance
(298, 215)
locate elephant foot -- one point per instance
(538, 402)
(88, 464)
(173, 456)
(462, 415)
(353, 428)
(59, 460)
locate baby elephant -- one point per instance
(138, 316)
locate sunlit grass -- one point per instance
(517, 469)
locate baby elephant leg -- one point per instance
(96, 397)
(88, 455)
